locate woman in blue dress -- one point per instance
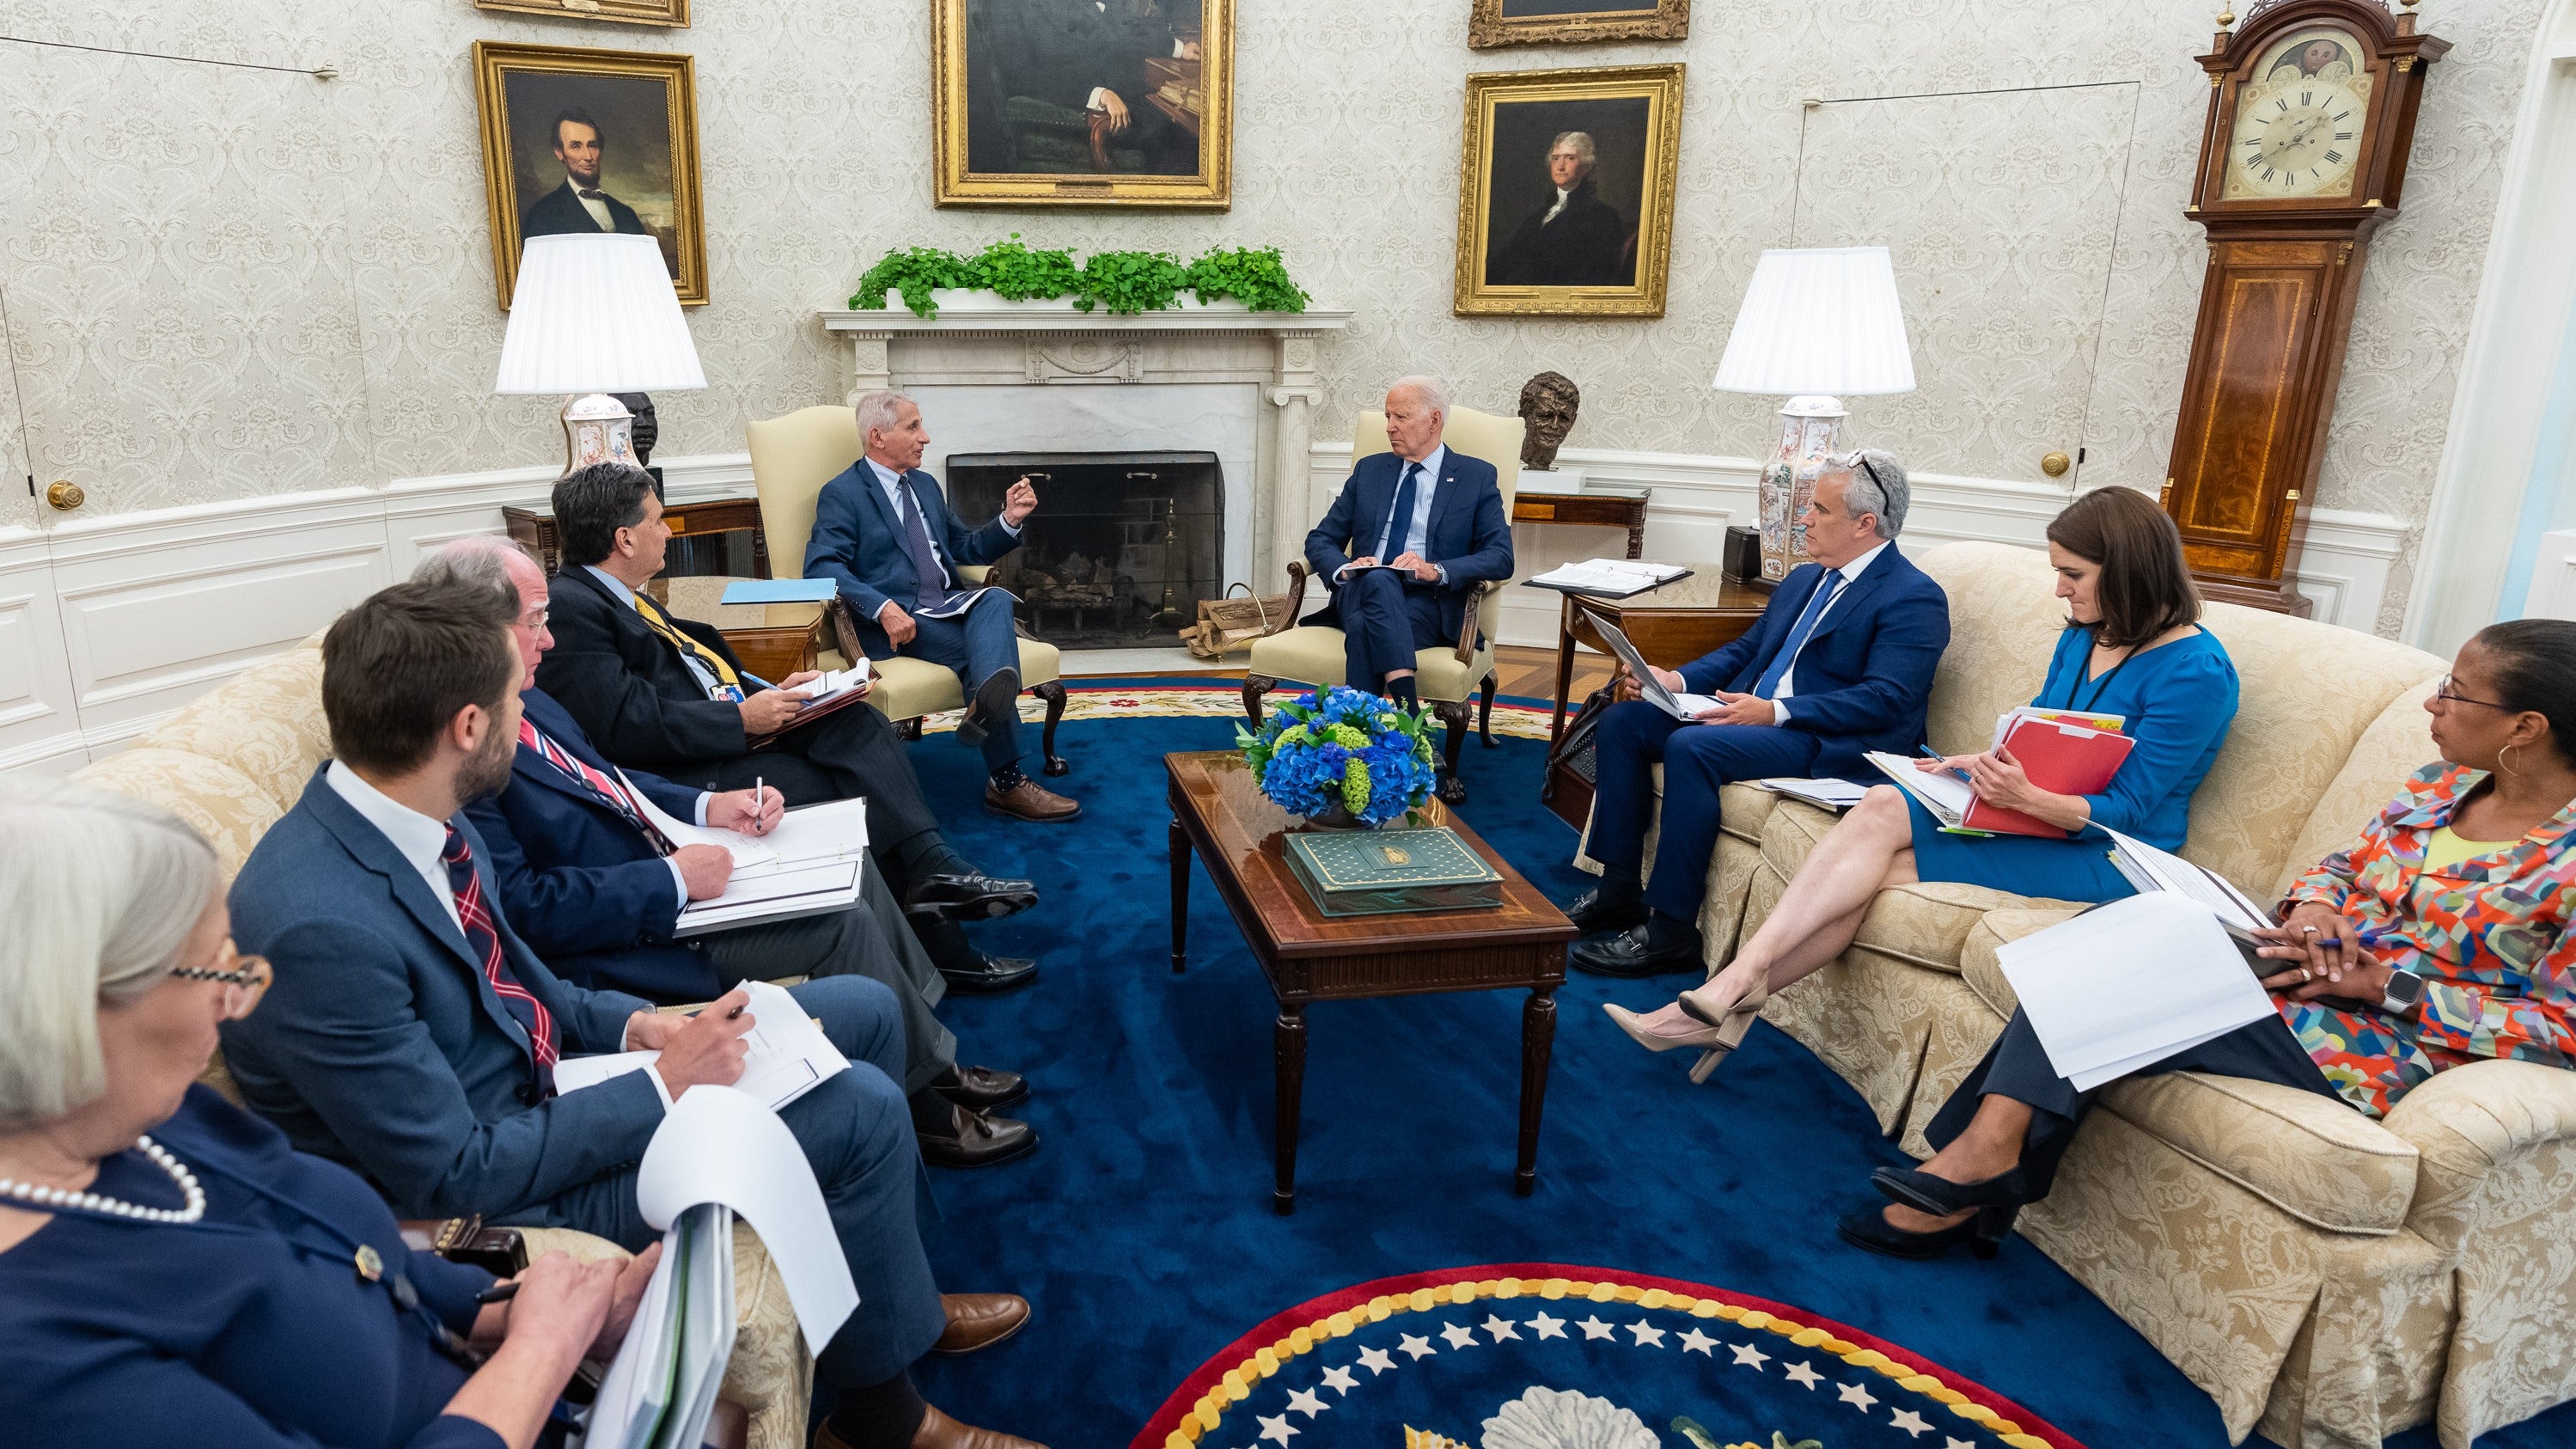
(171, 1272)
(2134, 647)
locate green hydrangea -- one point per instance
(1289, 738)
(1355, 787)
(1349, 737)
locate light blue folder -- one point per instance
(779, 591)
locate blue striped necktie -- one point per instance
(1805, 628)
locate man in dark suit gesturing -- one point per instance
(884, 535)
(1839, 664)
(1412, 534)
(579, 205)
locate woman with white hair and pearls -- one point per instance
(170, 1270)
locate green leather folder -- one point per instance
(1379, 872)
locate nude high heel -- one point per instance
(1727, 1031)
(1664, 1030)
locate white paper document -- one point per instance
(759, 896)
(787, 1054)
(1831, 794)
(719, 1145)
(2150, 869)
(1649, 688)
(746, 850)
(2129, 984)
(660, 1390)
(834, 682)
(1942, 791)
(1614, 577)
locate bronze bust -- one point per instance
(1549, 403)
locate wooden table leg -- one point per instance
(1564, 666)
(1180, 843)
(1288, 1043)
(1538, 1042)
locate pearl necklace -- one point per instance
(40, 1196)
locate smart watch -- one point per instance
(2404, 992)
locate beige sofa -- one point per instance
(2326, 1278)
(234, 761)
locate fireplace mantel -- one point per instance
(978, 341)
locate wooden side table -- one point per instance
(1600, 510)
(1670, 626)
(772, 640)
(535, 527)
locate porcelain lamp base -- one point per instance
(1810, 435)
(597, 429)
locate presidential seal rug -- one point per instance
(1555, 1356)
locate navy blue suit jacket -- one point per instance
(586, 889)
(1865, 677)
(1470, 535)
(858, 544)
(381, 1044)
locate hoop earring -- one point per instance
(2504, 761)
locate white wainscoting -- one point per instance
(2552, 594)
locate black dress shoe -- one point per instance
(1868, 1227)
(980, 1089)
(976, 1140)
(976, 897)
(1591, 917)
(1631, 953)
(1001, 691)
(988, 974)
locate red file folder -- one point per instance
(2060, 758)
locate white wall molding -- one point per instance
(2553, 578)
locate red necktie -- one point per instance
(483, 938)
(609, 789)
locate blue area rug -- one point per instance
(1141, 1229)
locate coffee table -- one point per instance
(1218, 813)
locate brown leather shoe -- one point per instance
(1030, 801)
(937, 1431)
(980, 1320)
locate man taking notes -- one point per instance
(1839, 664)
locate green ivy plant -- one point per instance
(1122, 282)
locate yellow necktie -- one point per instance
(726, 678)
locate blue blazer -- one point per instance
(858, 544)
(1470, 535)
(1865, 677)
(583, 887)
(381, 1044)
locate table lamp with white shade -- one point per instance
(1820, 325)
(594, 315)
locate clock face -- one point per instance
(2301, 119)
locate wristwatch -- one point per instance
(2404, 992)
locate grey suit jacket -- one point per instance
(381, 1044)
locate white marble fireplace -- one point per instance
(994, 376)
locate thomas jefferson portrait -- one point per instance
(1566, 180)
(1084, 86)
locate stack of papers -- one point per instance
(2150, 869)
(788, 1054)
(1943, 792)
(833, 830)
(661, 1388)
(2126, 985)
(1835, 795)
(1614, 578)
(834, 682)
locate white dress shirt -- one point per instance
(598, 209)
(890, 483)
(1851, 573)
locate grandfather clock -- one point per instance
(2311, 113)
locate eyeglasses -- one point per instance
(534, 619)
(245, 979)
(2443, 693)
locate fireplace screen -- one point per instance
(1122, 546)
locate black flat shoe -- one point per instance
(1591, 917)
(1941, 1197)
(1629, 954)
(990, 974)
(1868, 1227)
(977, 1140)
(975, 897)
(981, 1089)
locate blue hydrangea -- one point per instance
(1302, 762)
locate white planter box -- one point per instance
(983, 300)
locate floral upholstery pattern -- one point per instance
(262, 722)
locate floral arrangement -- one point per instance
(1342, 750)
(1120, 282)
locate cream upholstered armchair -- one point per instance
(1445, 675)
(792, 457)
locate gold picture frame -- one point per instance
(1490, 23)
(673, 14)
(633, 114)
(1012, 122)
(1574, 237)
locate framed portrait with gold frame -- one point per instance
(1565, 197)
(671, 13)
(579, 140)
(1083, 103)
(1574, 22)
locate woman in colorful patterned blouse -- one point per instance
(2441, 937)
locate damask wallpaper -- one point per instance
(225, 282)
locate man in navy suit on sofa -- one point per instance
(1839, 664)
(1410, 536)
(883, 533)
(411, 1034)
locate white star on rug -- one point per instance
(1807, 1378)
(1855, 1395)
(1340, 1379)
(1593, 1327)
(1416, 1345)
(1950, 1443)
(1501, 1328)
(1459, 1335)
(1647, 1333)
(1548, 1327)
(1376, 1361)
(1307, 1402)
(1698, 1342)
(1912, 1423)
(1277, 1428)
(1746, 1353)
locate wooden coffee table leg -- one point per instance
(1180, 841)
(1288, 1040)
(1538, 1042)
